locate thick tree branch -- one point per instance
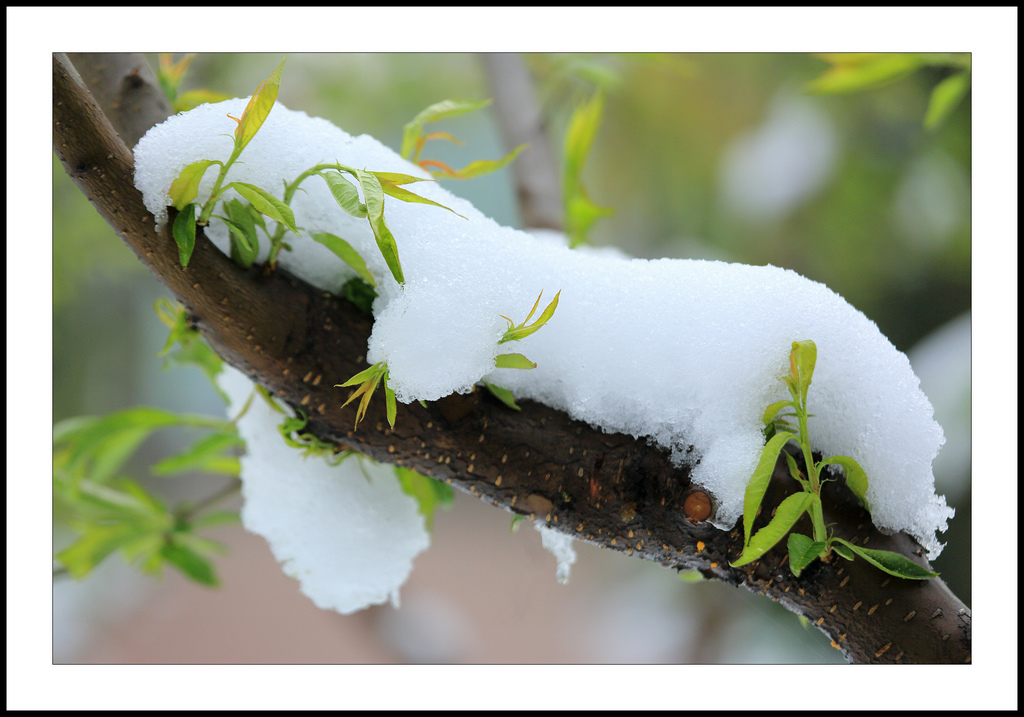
(608, 489)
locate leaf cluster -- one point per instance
(859, 71)
(804, 550)
(414, 139)
(580, 211)
(170, 75)
(111, 512)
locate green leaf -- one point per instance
(185, 188)
(440, 110)
(93, 546)
(190, 563)
(344, 251)
(170, 74)
(255, 113)
(360, 293)
(184, 231)
(266, 203)
(241, 221)
(389, 399)
(503, 395)
(579, 137)
(481, 166)
(215, 519)
(367, 380)
(513, 361)
(854, 72)
(244, 247)
(802, 552)
(754, 493)
(206, 455)
(515, 333)
(795, 471)
(773, 409)
(398, 178)
(580, 212)
(191, 347)
(101, 445)
(802, 358)
(856, 478)
(841, 550)
(945, 98)
(344, 193)
(429, 493)
(786, 515)
(374, 195)
(365, 375)
(893, 563)
(405, 195)
(191, 99)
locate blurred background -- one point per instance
(702, 156)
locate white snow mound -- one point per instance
(688, 353)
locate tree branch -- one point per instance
(608, 489)
(538, 191)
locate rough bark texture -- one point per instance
(609, 489)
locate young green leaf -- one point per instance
(440, 110)
(786, 515)
(266, 203)
(170, 74)
(389, 400)
(841, 550)
(773, 410)
(344, 251)
(802, 552)
(802, 358)
(374, 195)
(474, 169)
(95, 544)
(185, 188)
(429, 493)
(580, 212)
(190, 563)
(344, 194)
(361, 293)
(405, 195)
(515, 333)
(190, 99)
(893, 563)
(207, 455)
(503, 395)
(946, 97)
(398, 178)
(368, 380)
(856, 71)
(513, 361)
(244, 245)
(754, 493)
(255, 113)
(364, 375)
(856, 478)
(184, 231)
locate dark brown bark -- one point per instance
(609, 489)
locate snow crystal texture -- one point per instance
(687, 353)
